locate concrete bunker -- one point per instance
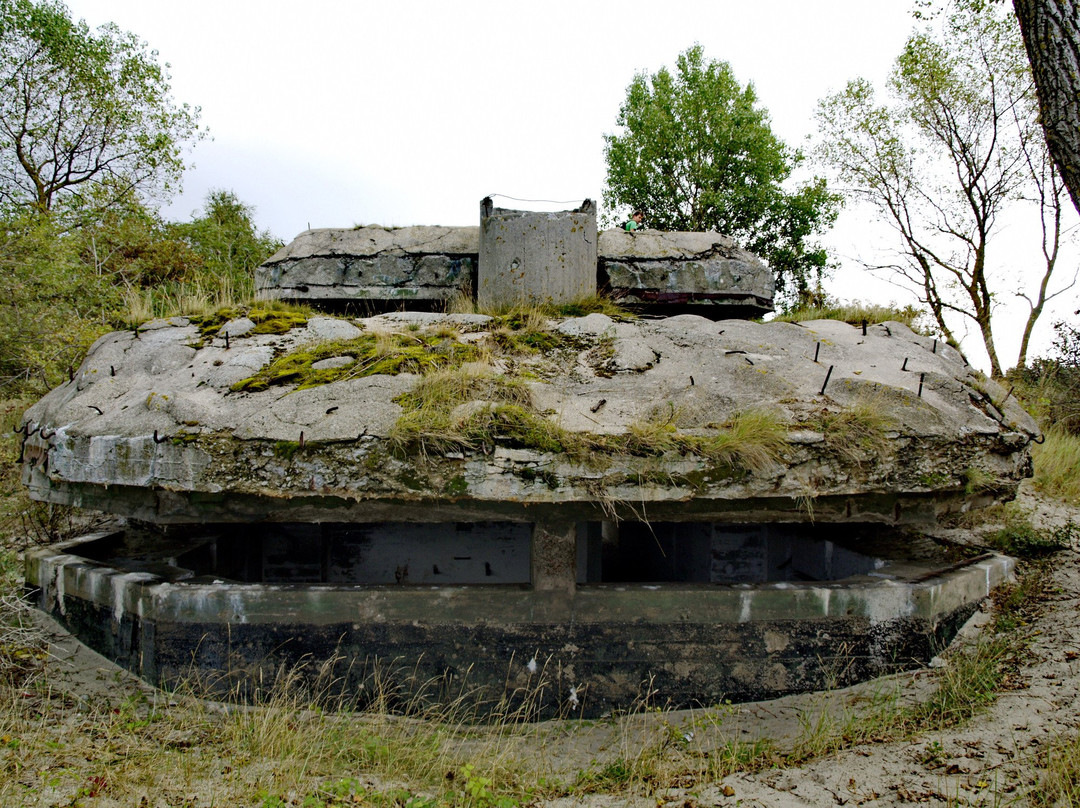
(714, 510)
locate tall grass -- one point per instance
(386, 744)
(1057, 466)
(187, 298)
(858, 433)
(1060, 784)
(857, 313)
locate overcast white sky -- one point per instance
(332, 113)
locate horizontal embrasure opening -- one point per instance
(505, 553)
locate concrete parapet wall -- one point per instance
(675, 269)
(534, 258)
(703, 272)
(372, 264)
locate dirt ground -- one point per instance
(988, 760)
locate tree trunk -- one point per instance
(1051, 30)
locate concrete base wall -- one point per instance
(607, 666)
(691, 644)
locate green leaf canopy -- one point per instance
(82, 111)
(696, 152)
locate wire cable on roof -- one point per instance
(550, 201)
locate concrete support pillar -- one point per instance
(531, 258)
(554, 558)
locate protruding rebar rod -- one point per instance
(826, 383)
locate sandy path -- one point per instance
(990, 760)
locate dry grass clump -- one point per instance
(580, 307)
(753, 440)
(856, 313)
(474, 409)
(525, 330)
(1060, 785)
(22, 646)
(1057, 466)
(447, 410)
(857, 433)
(188, 299)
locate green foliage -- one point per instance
(1057, 465)
(612, 777)
(1050, 387)
(696, 152)
(82, 112)
(62, 284)
(52, 306)
(1018, 537)
(227, 242)
(174, 267)
(131, 246)
(1067, 344)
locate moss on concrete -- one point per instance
(269, 318)
(367, 355)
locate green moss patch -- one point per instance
(273, 318)
(366, 355)
(471, 411)
(524, 331)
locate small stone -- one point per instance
(331, 328)
(237, 328)
(463, 412)
(333, 362)
(591, 325)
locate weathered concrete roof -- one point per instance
(655, 244)
(635, 417)
(374, 239)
